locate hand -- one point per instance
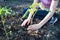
(26, 21)
(33, 27)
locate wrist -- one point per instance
(29, 17)
(39, 26)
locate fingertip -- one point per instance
(22, 24)
(28, 28)
(29, 31)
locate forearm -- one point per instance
(46, 19)
(30, 16)
(50, 14)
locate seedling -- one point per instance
(4, 11)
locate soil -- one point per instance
(16, 32)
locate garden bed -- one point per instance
(11, 30)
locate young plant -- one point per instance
(4, 11)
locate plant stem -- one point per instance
(3, 22)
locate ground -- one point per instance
(47, 32)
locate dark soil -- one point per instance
(16, 32)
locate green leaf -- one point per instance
(1, 10)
